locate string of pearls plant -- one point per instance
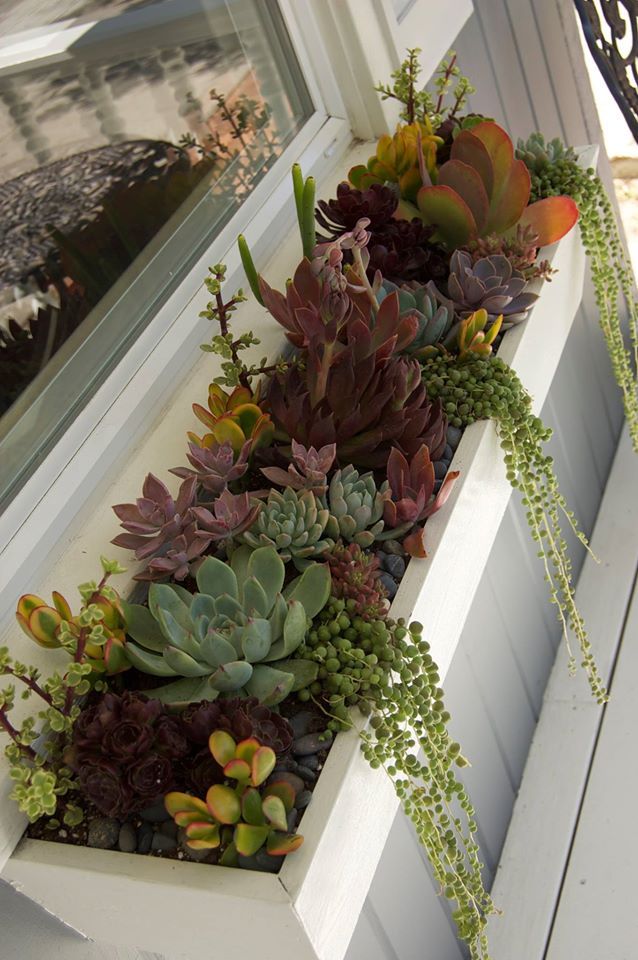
(554, 170)
(486, 387)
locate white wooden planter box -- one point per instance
(310, 909)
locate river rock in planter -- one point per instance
(261, 861)
(306, 773)
(295, 782)
(163, 843)
(311, 761)
(311, 743)
(301, 723)
(454, 435)
(303, 799)
(156, 813)
(189, 853)
(127, 839)
(144, 838)
(440, 469)
(394, 565)
(389, 584)
(103, 833)
(393, 546)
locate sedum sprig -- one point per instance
(420, 106)
(36, 749)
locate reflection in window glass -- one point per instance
(130, 131)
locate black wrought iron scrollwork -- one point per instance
(611, 32)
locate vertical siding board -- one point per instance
(369, 941)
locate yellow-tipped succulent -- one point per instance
(397, 160)
(474, 338)
(234, 417)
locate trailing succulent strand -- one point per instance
(554, 169)
(387, 671)
(485, 387)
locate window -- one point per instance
(130, 133)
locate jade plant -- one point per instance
(237, 633)
(37, 748)
(242, 814)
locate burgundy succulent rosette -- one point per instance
(124, 752)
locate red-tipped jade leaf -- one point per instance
(205, 835)
(283, 790)
(183, 802)
(42, 625)
(223, 803)
(473, 151)
(499, 147)
(550, 218)
(184, 817)
(222, 746)
(249, 838)
(443, 208)
(467, 182)
(279, 844)
(246, 749)
(263, 764)
(237, 769)
(508, 204)
(251, 807)
(275, 811)
(62, 606)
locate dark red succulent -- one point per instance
(377, 204)
(125, 751)
(412, 495)
(355, 576)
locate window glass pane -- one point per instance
(130, 131)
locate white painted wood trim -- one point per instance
(528, 880)
(347, 824)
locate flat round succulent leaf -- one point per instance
(275, 811)
(222, 746)
(282, 789)
(281, 844)
(249, 839)
(215, 578)
(223, 803)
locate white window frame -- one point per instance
(343, 47)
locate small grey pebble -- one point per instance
(295, 782)
(440, 469)
(285, 763)
(311, 761)
(144, 838)
(127, 840)
(248, 863)
(389, 584)
(454, 435)
(266, 862)
(393, 546)
(448, 453)
(311, 743)
(292, 820)
(301, 722)
(161, 842)
(156, 813)
(303, 799)
(103, 833)
(395, 566)
(306, 773)
(63, 833)
(168, 829)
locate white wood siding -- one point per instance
(526, 61)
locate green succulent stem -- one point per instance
(249, 268)
(307, 224)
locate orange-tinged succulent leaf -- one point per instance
(444, 209)
(238, 396)
(251, 807)
(184, 817)
(357, 174)
(275, 811)
(279, 844)
(283, 790)
(223, 803)
(492, 333)
(227, 430)
(500, 149)
(222, 746)
(467, 182)
(237, 769)
(473, 151)
(551, 218)
(28, 603)
(263, 764)
(507, 207)
(249, 838)
(413, 543)
(43, 623)
(115, 658)
(247, 415)
(246, 749)
(61, 605)
(410, 183)
(205, 835)
(206, 417)
(176, 802)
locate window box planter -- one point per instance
(310, 909)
